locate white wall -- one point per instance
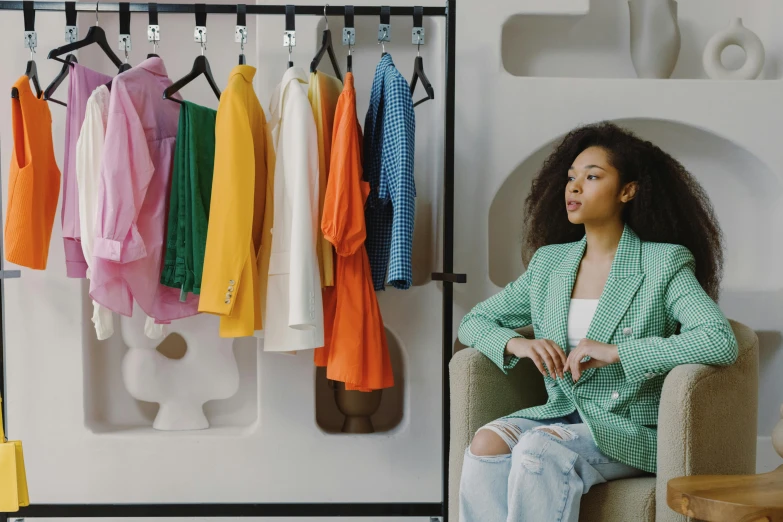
(502, 121)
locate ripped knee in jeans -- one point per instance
(559, 431)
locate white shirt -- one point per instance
(89, 152)
(294, 309)
(580, 315)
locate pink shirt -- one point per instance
(81, 82)
(132, 197)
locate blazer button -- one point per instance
(231, 282)
(615, 395)
(627, 331)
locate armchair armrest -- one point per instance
(707, 419)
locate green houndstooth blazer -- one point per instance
(651, 289)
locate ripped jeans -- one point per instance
(544, 476)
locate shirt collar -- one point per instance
(246, 71)
(154, 65)
(276, 106)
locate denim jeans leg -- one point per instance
(484, 481)
(550, 473)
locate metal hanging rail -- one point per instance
(114, 7)
(447, 278)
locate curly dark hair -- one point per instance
(670, 206)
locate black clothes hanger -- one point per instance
(240, 33)
(200, 64)
(418, 74)
(418, 64)
(349, 35)
(326, 47)
(31, 71)
(95, 35)
(69, 61)
(290, 30)
(153, 29)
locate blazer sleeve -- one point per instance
(490, 324)
(705, 335)
(231, 209)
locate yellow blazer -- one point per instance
(230, 284)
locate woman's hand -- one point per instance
(542, 352)
(601, 354)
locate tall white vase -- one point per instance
(655, 37)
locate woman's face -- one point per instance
(593, 194)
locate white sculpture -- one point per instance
(208, 370)
(655, 37)
(734, 34)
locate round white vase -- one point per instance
(734, 34)
(655, 37)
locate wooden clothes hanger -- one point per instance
(326, 47)
(200, 64)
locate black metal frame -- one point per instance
(447, 278)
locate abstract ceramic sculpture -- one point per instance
(655, 37)
(358, 407)
(734, 34)
(207, 371)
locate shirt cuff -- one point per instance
(75, 265)
(115, 250)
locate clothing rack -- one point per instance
(447, 278)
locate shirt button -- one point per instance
(649, 375)
(615, 395)
(627, 331)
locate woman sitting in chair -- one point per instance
(621, 288)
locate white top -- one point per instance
(580, 315)
(89, 151)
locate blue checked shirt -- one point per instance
(389, 132)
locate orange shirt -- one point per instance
(34, 181)
(356, 351)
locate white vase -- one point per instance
(734, 34)
(207, 371)
(655, 37)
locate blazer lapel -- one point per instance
(624, 280)
(625, 277)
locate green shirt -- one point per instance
(191, 189)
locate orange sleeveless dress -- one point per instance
(34, 181)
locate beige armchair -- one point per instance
(707, 425)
